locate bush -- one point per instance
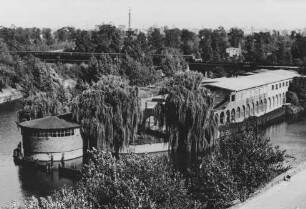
(212, 183)
(298, 86)
(240, 164)
(252, 160)
(292, 98)
(134, 182)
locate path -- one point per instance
(286, 195)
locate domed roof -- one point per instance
(49, 123)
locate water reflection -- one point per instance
(290, 136)
(18, 183)
(40, 183)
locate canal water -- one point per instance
(18, 183)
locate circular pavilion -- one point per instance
(51, 138)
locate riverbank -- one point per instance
(9, 94)
(289, 136)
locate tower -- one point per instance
(129, 26)
(130, 32)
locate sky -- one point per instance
(191, 14)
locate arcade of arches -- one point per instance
(255, 108)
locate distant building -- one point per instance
(51, 137)
(238, 98)
(234, 52)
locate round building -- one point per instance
(51, 137)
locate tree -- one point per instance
(83, 41)
(139, 74)
(172, 62)
(155, 40)
(47, 35)
(206, 49)
(109, 113)
(188, 115)
(190, 43)
(62, 34)
(172, 37)
(252, 159)
(235, 37)
(98, 67)
(42, 104)
(107, 39)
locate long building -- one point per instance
(254, 94)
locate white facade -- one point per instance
(252, 95)
(233, 52)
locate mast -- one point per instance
(129, 28)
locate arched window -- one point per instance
(233, 115)
(228, 116)
(238, 112)
(247, 112)
(269, 103)
(222, 118)
(265, 105)
(253, 108)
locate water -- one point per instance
(290, 136)
(17, 184)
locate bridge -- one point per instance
(194, 65)
(77, 57)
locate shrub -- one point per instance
(134, 182)
(293, 98)
(252, 159)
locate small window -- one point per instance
(67, 132)
(283, 84)
(233, 98)
(276, 86)
(272, 87)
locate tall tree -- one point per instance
(235, 36)
(47, 35)
(109, 113)
(172, 37)
(190, 43)
(188, 113)
(155, 39)
(107, 39)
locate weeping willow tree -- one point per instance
(42, 104)
(188, 114)
(109, 113)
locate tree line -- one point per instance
(267, 47)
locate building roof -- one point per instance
(251, 81)
(49, 123)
